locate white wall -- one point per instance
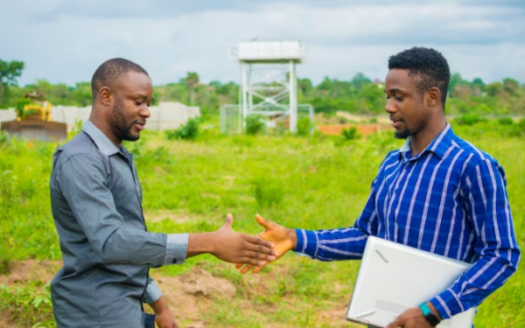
(165, 116)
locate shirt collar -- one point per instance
(103, 143)
(438, 146)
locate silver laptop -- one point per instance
(395, 277)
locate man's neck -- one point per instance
(420, 141)
(105, 128)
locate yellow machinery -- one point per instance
(34, 120)
(35, 107)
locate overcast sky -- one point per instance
(65, 41)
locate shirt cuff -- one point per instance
(447, 304)
(306, 242)
(176, 248)
(153, 292)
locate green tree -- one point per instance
(360, 80)
(9, 71)
(191, 81)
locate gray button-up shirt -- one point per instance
(96, 200)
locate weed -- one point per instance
(268, 191)
(255, 124)
(188, 131)
(350, 133)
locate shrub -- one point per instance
(304, 126)
(350, 134)
(505, 121)
(188, 131)
(468, 119)
(254, 124)
(4, 137)
(268, 191)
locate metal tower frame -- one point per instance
(265, 88)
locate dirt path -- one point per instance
(189, 295)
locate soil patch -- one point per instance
(30, 270)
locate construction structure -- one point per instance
(268, 85)
(33, 120)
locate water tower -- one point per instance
(268, 82)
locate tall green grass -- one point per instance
(308, 182)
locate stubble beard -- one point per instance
(120, 127)
(404, 134)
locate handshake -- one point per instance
(247, 252)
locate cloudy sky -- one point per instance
(65, 41)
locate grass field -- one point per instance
(308, 182)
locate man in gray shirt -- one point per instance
(96, 200)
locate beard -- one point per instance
(402, 134)
(120, 127)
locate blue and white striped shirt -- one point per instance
(450, 200)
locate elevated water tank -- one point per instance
(269, 51)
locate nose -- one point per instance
(145, 111)
(390, 106)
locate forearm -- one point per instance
(472, 288)
(339, 244)
(159, 306)
(201, 243)
(137, 247)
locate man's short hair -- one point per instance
(427, 66)
(109, 73)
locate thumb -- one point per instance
(229, 221)
(268, 225)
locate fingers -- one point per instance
(266, 224)
(252, 261)
(261, 249)
(397, 323)
(259, 256)
(246, 268)
(229, 221)
(266, 245)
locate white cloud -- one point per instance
(65, 41)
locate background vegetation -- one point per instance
(309, 182)
(193, 176)
(358, 95)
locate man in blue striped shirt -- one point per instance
(437, 193)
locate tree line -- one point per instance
(359, 95)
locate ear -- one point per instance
(433, 97)
(105, 96)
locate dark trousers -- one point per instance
(148, 320)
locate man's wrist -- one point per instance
(292, 235)
(434, 310)
(430, 313)
(201, 243)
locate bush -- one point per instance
(350, 134)
(188, 131)
(519, 128)
(304, 126)
(468, 119)
(268, 191)
(505, 121)
(254, 124)
(4, 137)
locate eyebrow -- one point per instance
(394, 90)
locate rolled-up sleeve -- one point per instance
(83, 182)
(153, 292)
(176, 248)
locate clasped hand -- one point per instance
(282, 238)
